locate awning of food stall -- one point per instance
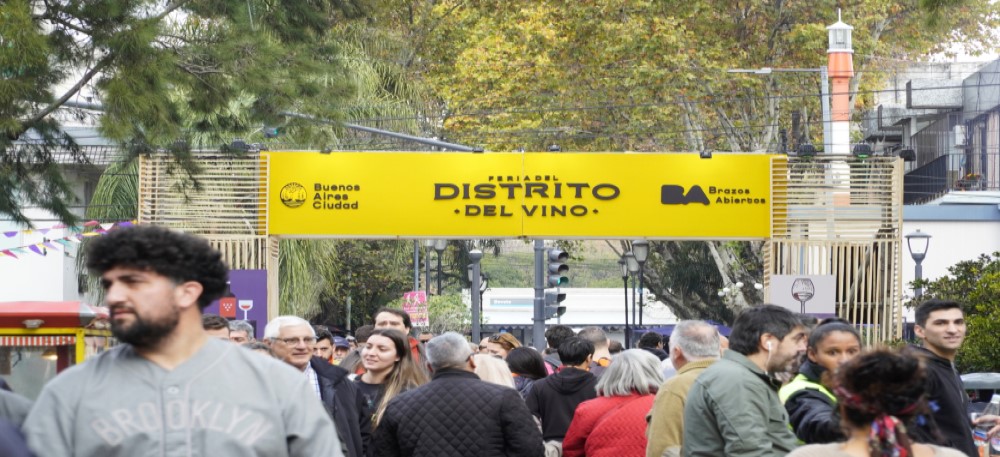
(52, 313)
(37, 341)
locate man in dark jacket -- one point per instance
(652, 342)
(457, 414)
(554, 399)
(343, 403)
(292, 338)
(941, 326)
(13, 407)
(12, 441)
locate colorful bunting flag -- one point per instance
(73, 238)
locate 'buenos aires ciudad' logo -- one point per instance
(293, 195)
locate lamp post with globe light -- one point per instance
(624, 267)
(633, 268)
(917, 243)
(439, 246)
(640, 248)
(475, 279)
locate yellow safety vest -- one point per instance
(800, 382)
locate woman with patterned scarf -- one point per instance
(879, 393)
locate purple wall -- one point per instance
(248, 285)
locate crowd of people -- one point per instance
(182, 382)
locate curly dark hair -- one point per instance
(179, 256)
(880, 384)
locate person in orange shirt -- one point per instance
(602, 355)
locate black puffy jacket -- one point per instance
(457, 414)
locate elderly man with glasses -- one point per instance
(292, 339)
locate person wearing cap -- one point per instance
(340, 349)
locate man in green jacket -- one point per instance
(733, 407)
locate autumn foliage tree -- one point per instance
(651, 76)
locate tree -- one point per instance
(651, 76)
(153, 65)
(315, 275)
(446, 313)
(976, 285)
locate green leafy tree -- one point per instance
(976, 285)
(372, 273)
(315, 276)
(154, 66)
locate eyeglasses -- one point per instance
(496, 338)
(294, 341)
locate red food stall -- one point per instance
(40, 339)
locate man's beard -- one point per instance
(145, 334)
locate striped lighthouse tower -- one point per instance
(840, 60)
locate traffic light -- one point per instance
(557, 269)
(271, 132)
(556, 277)
(553, 306)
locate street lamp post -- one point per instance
(439, 246)
(918, 242)
(428, 244)
(624, 267)
(633, 269)
(640, 248)
(475, 255)
(484, 285)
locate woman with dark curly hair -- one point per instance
(879, 394)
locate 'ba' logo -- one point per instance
(674, 195)
(293, 195)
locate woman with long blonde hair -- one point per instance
(389, 370)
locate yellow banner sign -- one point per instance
(532, 195)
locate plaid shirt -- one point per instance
(313, 379)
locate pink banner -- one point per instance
(415, 304)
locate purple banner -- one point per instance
(250, 289)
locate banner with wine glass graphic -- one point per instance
(246, 299)
(807, 294)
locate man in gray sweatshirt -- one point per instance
(169, 389)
